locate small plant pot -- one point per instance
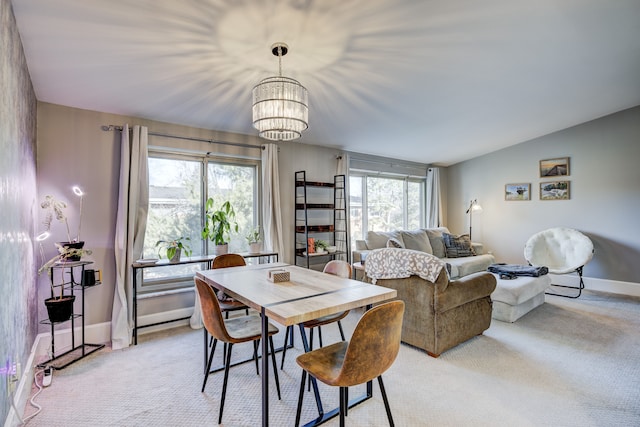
(60, 309)
(254, 248)
(176, 257)
(72, 245)
(221, 249)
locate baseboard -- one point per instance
(595, 284)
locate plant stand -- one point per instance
(66, 286)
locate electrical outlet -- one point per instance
(13, 377)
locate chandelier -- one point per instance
(280, 104)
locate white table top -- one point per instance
(307, 295)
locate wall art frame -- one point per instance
(554, 167)
(519, 191)
(555, 190)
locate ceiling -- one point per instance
(433, 81)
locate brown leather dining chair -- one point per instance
(223, 261)
(338, 268)
(232, 331)
(372, 349)
(227, 304)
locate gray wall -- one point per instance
(605, 194)
(17, 202)
(72, 149)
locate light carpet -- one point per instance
(566, 363)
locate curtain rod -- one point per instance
(108, 128)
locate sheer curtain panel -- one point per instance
(271, 213)
(434, 201)
(131, 219)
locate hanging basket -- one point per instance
(60, 309)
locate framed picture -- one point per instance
(517, 191)
(554, 167)
(554, 190)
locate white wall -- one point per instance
(605, 194)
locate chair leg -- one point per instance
(580, 287)
(341, 331)
(208, 367)
(300, 397)
(342, 406)
(275, 366)
(319, 336)
(206, 349)
(224, 383)
(386, 401)
(256, 344)
(284, 346)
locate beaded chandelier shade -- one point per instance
(280, 104)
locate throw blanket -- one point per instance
(393, 263)
(518, 270)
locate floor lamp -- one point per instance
(473, 207)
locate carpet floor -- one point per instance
(566, 363)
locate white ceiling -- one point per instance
(436, 81)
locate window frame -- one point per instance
(365, 174)
(183, 282)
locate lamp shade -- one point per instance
(280, 108)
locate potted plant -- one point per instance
(60, 307)
(174, 248)
(55, 209)
(320, 246)
(253, 238)
(218, 225)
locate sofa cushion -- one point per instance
(417, 240)
(379, 239)
(394, 243)
(457, 246)
(435, 239)
(471, 264)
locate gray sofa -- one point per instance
(428, 240)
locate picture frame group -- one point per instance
(557, 189)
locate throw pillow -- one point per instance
(417, 240)
(435, 238)
(457, 246)
(394, 243)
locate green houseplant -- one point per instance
(174, 248)
(253, 238)
(218, 225)
(321, 246)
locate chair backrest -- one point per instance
(211, 314)
(374, 344)
(228, 260)
(338, 268)
(561, 250)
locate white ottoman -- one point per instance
(514, 298)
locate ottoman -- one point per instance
(514, 298)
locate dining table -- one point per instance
(307, 295)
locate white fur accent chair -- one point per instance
(562, 251)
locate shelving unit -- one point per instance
(66, 286)
(321, 213)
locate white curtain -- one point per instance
(434, 200)
(271, 213)
(131, 221)
(342, 168)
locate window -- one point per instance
(178, 188)
(384, 202)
